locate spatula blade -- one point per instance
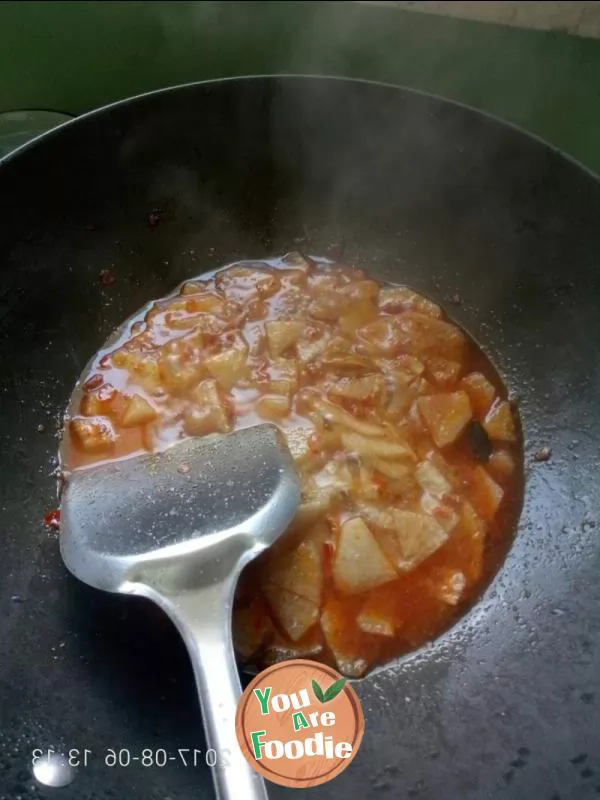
(115, 516)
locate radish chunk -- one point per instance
(282, 334)
(395, 299)
(443, 371)
(472, 523)
(446, 415)
(449, 585)
(380, 338)
(444, 514)
(346, 364)
(209, 414)
(426, 337)
(295, 614)
(431, 480)
(227, 367)
(137, 412)
(244, 283)
(376, 621)
(278, 649)
(499, 423)
(282, 376)
(344, 638)
(298, 441)
(309, 348)
(299, 570)
(357, 315)
(414, 538)
(481, 392)
(92, 434)
(376, 448)
(273, 406)
(336, 414)
(251, 628)
(358, 388)
(178, 374)
(486, 494)
(359, 562)
(501, 465)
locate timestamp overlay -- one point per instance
(55, 769)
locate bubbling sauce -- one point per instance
(408, 449)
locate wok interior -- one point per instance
(419, 192)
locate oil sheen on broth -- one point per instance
(409, 452)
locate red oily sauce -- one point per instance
(409, 451)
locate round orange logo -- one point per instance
(299, 723)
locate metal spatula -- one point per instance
(178, 527)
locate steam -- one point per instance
(439, 218)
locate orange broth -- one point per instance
(409, 452)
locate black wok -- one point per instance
(419, 190)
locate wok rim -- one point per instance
(290, 76)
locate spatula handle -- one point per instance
(203, 617)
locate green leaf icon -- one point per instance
(334, 690)
(318, 692)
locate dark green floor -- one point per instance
(71, 56)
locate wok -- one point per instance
(419, 191)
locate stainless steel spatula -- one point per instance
(178, 528)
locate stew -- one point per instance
(409, 451)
